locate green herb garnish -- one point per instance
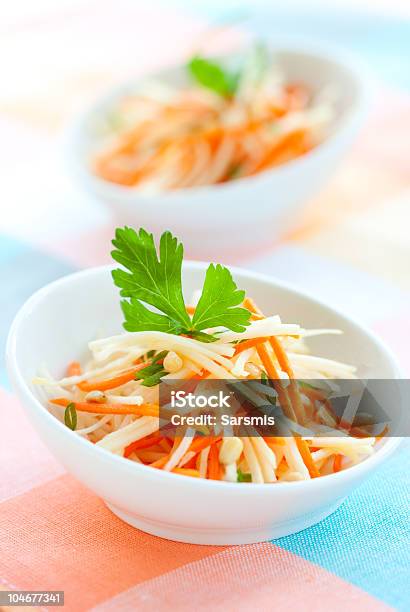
(157, 282)
(151, 375)
(70, 416)
(233, 171)
(213, 76)
(243, 476)
(217, 78)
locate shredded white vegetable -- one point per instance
(115, 410)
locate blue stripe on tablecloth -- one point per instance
(23, 270)
(9, 249)
(382, 40)
(367, 541)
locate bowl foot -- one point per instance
(223, 537)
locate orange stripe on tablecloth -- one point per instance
(60, 536)
(256, 577)
(25, 462)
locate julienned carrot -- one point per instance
(291, 143)
(290, 401)
(111, 383)
(190, 309)
(191, 463)
(243, 346)
(213, 463)
(203, 374)
(337, 463)
(250, 305)
(144, 410)
(144, 443)
(281, 356)
(160, 462)
(200, 443)
(74, 369)
(165, 445)
(307, 457)
(186, 472)
(293, 391)
(275, 441)
(274, 376)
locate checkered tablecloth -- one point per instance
(351, 248)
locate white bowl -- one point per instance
(54, 326)
(256, 209)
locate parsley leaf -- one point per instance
(213, 76)
(157, 282)
(243, 476)
(70, 416)
(216, 304)
(152, 373)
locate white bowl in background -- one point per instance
(54, 326)
(257, 209)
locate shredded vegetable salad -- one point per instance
(224, 124)
(112, 399)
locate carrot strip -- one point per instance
(190, 309)
(144, 443)
(160, 462)
(200, 443)
(289, 147)
(191, 463)
(144, 410)
(186, 472)
(74, 369)
(213, 463)
(243, 346)
(201, 375)
(111, 383)
(281, 356)
(147, 455)
(293, 391)
(337, 463)
(165, 445)
(307, 457)
(272, 441)
(290, 401)
(274, 376)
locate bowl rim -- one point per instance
(25, 393)
(352, 117)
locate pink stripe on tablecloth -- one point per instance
(60, 536)
(256, 577)
(395, 331)
(25, 462)
(85, 248)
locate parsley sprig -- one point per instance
(70, 416)
(225, 81)
(151, 375)
(243, 476)
(155, 280)
(213, 76)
